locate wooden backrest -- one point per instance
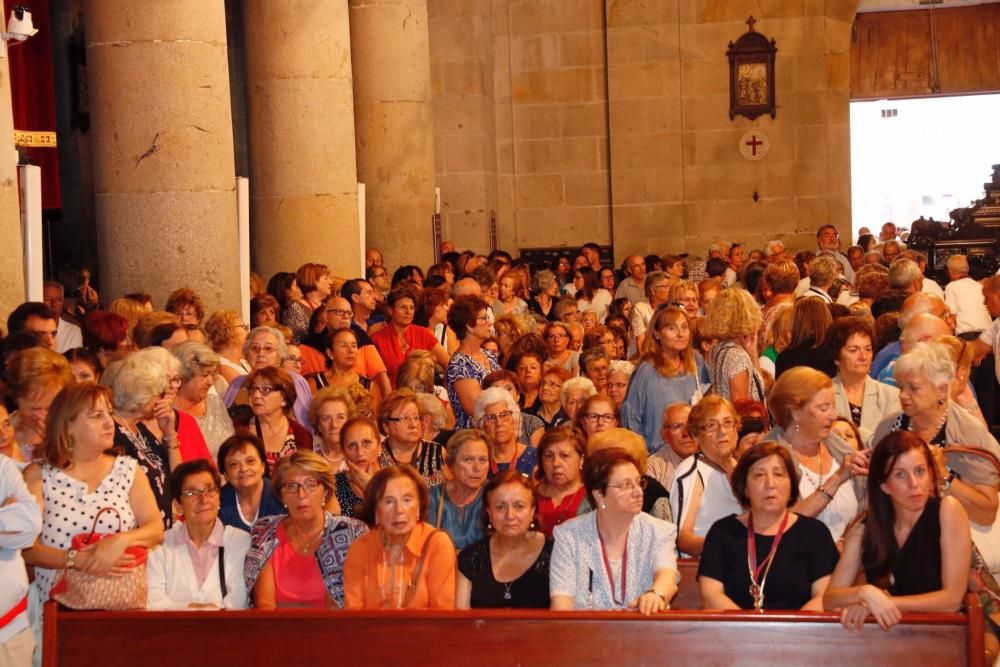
(688, 592)
(484, 638)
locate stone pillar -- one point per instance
(12, 266)
(300, 108)
(164, 176)
(394, 126)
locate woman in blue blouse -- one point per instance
(456, 506)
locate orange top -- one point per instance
(373, 581)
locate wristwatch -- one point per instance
(658, 594)
(70, 558)
(952, 476)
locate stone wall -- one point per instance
(612, 123)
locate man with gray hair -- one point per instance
(915, 304)
(821, 275)
(921, 328)
(965, 298)
(774, 251)
(699, 272)
(631, 288)
(905, 275)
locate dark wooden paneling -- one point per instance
(484, 639)
(891, 52)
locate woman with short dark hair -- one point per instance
(403, 562)
(247, 494)
(471, 363)
(272, 395)
(178, 580)
(789, 561)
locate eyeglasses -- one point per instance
(552, 385)
(292, 358)
(262, 389)
(338, 311)
(409, 419)
(310, 485)
(262, 349)
(598, 417)
(208, 491)
(629, 485)
(557, 336)
(504, 416)
(713, 426)
(674, 426)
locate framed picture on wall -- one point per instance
(751, 74)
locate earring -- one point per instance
(489, 526)
(603, 506)
(940, 401)
(795, 427)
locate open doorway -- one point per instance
(920, 157)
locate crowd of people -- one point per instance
(816, 429)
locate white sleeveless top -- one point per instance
(717, 499)
(70, 509)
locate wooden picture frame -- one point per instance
(751, 75)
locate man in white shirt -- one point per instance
(20, 524)
(828, 239)
(68, 335)
(989, 339)
(965, 298)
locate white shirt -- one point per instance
(931, 287)
(68, 336)
(717, 499)
(991, 336)
(20, 524)
(965, 298)
(172, 580)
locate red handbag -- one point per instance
(79, 590)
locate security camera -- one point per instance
(19, 26)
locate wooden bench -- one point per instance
(481, 638)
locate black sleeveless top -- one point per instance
(916, 566)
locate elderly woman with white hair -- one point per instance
(497, 413)
(196, 395)
(266, 346)
(575, 392)
(433, 418)
(924, 376)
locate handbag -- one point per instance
(79, 590)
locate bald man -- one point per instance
(632, 288)
(915, 304)
(921, 328)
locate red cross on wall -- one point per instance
(754, 143)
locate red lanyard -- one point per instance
(607, 570)
(757, 590)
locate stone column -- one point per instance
(12, 266)
(394, 126)
(164, 176)
(300, 109)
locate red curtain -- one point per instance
(33, 92)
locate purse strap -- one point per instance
(222, 574)
(97, 517)
(411, 588)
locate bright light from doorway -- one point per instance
(912, 158)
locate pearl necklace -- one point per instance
(937, 429)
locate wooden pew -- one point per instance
(484, 639)
(688, 593)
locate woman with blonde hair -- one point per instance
(226, 332)
(777, 337)
(297, 560)
(670, 371)
(655, 498)
(963, 354)
(456, 506)
(685, 294)
(734, 320)
(35, 377)
(832, 474)
(198, 366)
(508, 300)
(330, 409)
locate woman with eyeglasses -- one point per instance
(471, 363)
(670, 371)
(400, 335)
(766, 557)
(498, 414)
(550, 396)
(616, 557)
(200, 564)
(701, 494)
(400, 420)
(298, 560)
(597, 414)
(272, 395)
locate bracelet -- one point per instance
(657, 594)
(71, 559)
(826, 494)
